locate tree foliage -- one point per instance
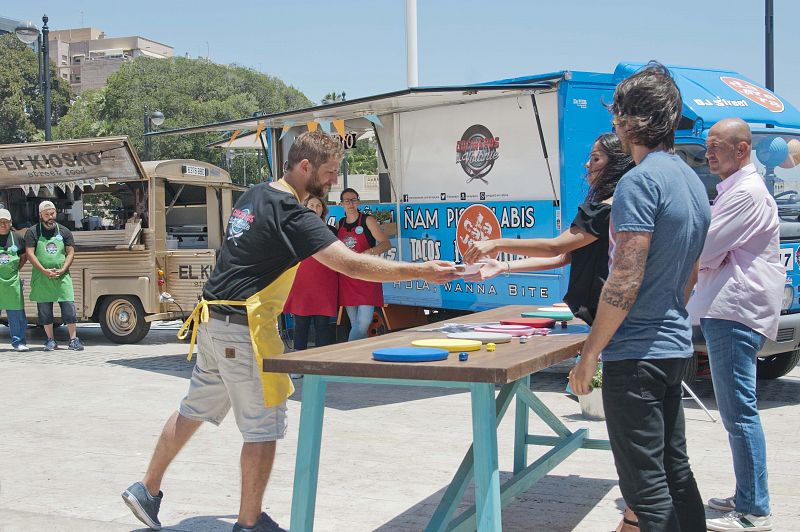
(189, 92)
(363, 159)
(21, 100)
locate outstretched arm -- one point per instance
(569, 240)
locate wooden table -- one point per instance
(510, 366)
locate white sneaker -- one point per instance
(739, 521)
(723, 504)
(21, 348)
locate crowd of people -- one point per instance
(49, 248)
(649, 258)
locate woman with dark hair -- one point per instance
(584, 244)
(314, 295)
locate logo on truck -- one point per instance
(477, 151)
(477, 222)
(754, 93)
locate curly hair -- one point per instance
(317, 147)
(649, 104)
(619, 163)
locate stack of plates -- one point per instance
(537, 323)
(409, 354)
(449, 344)
(513, 330)
(555, 313)
(482, 336)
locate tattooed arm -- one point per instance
(616, 300)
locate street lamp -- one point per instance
(156, 118)
(27, 33)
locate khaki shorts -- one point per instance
(225, 375)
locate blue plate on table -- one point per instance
(409, 354)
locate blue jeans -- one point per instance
(732, 350)
(18, 324)
(360, 318)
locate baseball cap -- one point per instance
(5, 215)
(46, 205)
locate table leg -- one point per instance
(309, 439)
(487, 476)
(521, 416)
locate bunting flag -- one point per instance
(312, 126)
(233, 137)
(325, 125)
(286, 127)
(92, 183)
(35, 189)
(25, 189)
(50, 188)
(104, 181)
(339, 125)
(374, 119)
(259, 130)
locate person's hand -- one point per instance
(52, 273)
(438, 271)
(580, 378)
(479, 249)
(490, 268)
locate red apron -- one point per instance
(315, 290)
(354, 292)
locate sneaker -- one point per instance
(21, 348)
(143, 505)
(75, 344)
(50, 345)
(739, 521)
(265, 524)
(727, 504)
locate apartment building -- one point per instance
(86, 57)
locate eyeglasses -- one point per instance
(350, 201)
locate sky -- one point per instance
(358, 46)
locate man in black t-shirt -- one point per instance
(268, 234)
(51, 250)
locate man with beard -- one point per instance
(659, 221)
(50, 250)
(268, 234)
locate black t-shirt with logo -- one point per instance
(5, 242)
(32, 236)
(268, 233)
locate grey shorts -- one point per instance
(45, 311)
(226, 376)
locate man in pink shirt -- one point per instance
(737, 301)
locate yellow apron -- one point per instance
(263, 309)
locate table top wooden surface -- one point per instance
(507, 363)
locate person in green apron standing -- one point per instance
(268, 233)
(50, 250)
(12, 258)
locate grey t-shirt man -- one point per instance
(662, 196)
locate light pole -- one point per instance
(27, 33)
(156, 118)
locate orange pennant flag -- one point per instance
(233, 137)
(339, 125)
(259, 129)
(312, 126)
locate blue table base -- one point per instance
(480, 461)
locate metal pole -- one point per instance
(146, 131)
(46, 67)
(411, 43)
(40, 87)
(769, 45)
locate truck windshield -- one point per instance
(777, 159)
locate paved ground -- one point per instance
(78, 427)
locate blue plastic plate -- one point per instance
(409, 354)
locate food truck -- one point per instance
(146, 233)
(506, 158)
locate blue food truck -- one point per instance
(506, 158)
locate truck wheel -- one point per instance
(122, 319)
(776, 366)
(690, 371)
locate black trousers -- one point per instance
(647, 430)
(322, 331)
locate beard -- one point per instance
(49, 223)
(316, 187)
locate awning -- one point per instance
(712, 95)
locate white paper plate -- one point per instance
(468, 269)
(485, 337)
(552, 309)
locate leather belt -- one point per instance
(238, 319)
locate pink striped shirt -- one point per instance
(741, 276)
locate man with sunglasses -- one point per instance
(659, 220)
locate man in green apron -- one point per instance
(12, 258)
(50, 248)
(269, 232)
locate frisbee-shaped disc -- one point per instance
(522, 331)
(409, 354)
(560, 305)
(555, 313)
(450, 344)
(531, 322)
(482, 336)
